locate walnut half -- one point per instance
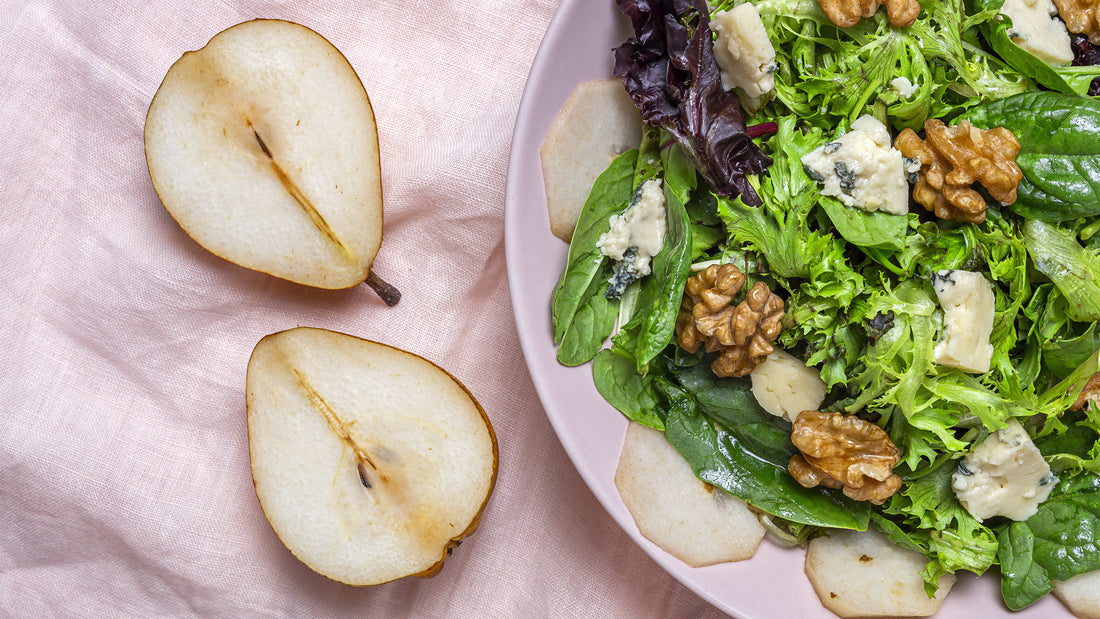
(954, 158)
(1081, 17)
(742, 333)
(1089, 395)
(847, 13)
(843, 451)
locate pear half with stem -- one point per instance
(371, 463)
(263, 146)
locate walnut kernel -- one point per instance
(1089, 395)
(954, 158)
(847, 13)
(742, 333)
(1081, 17)
(844, 451)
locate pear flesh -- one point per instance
(263, 146)
(677, 511)
(597, 123)
(864, 574)
(370, 462)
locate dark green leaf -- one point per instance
(610, 194)
(619, 383)
(718, 458)
(1059, 151)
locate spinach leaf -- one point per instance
(663, 289)
(631, 393)
(730, 403)
(1059, 542)
(1023, 581)
(721, 458)
(1059, 151)
(1063, 355)
(574, 308)
(593, 321)
(859, 227)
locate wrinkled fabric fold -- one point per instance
(126, 487)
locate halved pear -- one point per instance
(370, 462)
(263, 146)
(674, 509)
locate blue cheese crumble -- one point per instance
(1037, 29)
(744, 53)
(1004, 476)
(968, 310)
(862, 169)
(636, 235)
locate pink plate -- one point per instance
(577, 47)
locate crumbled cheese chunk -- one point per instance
(903, 87)
(1004, 476)
(1035, 28)
(745, 55)
(785, 386)
(967, 301)
(862, 169)
(641, 227)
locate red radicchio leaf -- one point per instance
(1086, 54)
(669, 69)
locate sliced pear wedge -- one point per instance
(864, 574)
(1080, 594)
(263, 146)
(597, 123)
(677, 511)
(370, 463)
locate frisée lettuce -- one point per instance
(859, 287)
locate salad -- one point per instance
(862, 291)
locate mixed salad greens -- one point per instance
(860, 305)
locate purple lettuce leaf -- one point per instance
(1086, 54)
(668, 67)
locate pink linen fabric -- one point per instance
(125, 488)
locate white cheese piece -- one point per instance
(745, 55)
(784, 386)
(862, 169)
(967, 301)
(1004, 476)
(1035, 29)
(642, 227)
(903, 87)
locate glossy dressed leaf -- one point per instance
(580, 279)
(1059, 151)
(663, 289)
(859, 227)
(618, 381)
(722, 460)
(1057, 543)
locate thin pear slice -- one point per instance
(864, 574)
(263, 146)
(598, 122)
(1080, 594)
(674, 509)
(370, 463)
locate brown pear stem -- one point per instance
(388, 293)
